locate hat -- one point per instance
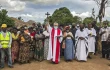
(4, 26)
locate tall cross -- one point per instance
(47, 14)
(0, 6)
(93, 13)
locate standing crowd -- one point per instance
(24, 44)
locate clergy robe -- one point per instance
(91, 40)
(54, 44)
(81, 45)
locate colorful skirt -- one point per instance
(39, 51)
(15, 51)
(24, 53)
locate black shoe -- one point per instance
(53, 62)
(29, 61)
(109, 58)
(1, 67)
(89, 57)
(67, 60)
(11, 67)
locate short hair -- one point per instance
(56, 23)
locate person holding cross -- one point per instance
(55, 38)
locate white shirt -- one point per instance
(105, 35)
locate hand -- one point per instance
(69, 35)
(103, 32)
(58, 36)
(89, 34)
(81, 38)
(93, 35)
(47, 36)
(31, 39)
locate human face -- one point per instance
(81, 26)
(4, 29)
(55, 26)
(89, 25)
(15, 31)
(105, 25)
(67, 30)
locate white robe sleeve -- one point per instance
(49, 28)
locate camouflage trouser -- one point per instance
(32, 48)
(99, 46)
(39, 51)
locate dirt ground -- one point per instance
(96, 63)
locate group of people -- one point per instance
(24, 44)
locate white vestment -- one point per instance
(81, 45)
(91, 40)
(52, 54)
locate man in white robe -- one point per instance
(55, 39)
(81, 44)
(91, 39)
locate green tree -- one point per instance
(62, 16)
(77, 19)
(5, 19)
(106, 21)
(88, 20)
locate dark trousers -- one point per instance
(105, 53)
(96, 44)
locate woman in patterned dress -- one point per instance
(24, 51)
(39, 49)
(46, 43)
(15, 45)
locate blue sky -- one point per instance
(36, 9)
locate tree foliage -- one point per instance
(5, 19)
(77, 19)
(102, 5)
(88, 20)
(62, 16)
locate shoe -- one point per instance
(108, 64)
(89, 57)
(11, 67)
(108, 58)
(1, 67)
(53, 62)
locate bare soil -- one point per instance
(96, 63)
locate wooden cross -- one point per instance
(0, 6)
(47, 14)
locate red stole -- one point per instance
(57, 44)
